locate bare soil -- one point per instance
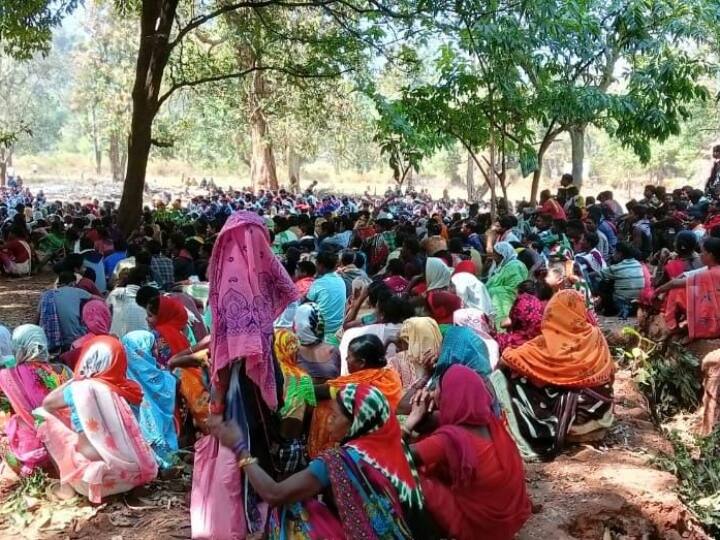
(605, 491)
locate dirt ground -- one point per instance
(606, 491)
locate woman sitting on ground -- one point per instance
(156, 414)
(371, 482)
(524, 319)
(419, 339)
(318, 359)
(694, 297)
(102, 451)
(168, 321)
(504, 279)
(27, 379)
(470, 289)
(687, 259)
(560, 382)
(471, 472)
(366, 365)
(96, 317)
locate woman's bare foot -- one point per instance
(60, 492)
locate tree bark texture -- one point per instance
(470, 178)
(156, 23)
(293, 165)
(577, 141)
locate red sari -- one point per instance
(699, 301)
(474, 487)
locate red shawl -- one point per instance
(703, 304)
(171, 320)
(103, 359)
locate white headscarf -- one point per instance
(473, 293)
(437, 274)
(5, 341)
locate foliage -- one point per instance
(667, 374)
(26, 25)
(697, 468)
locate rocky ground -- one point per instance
(606, 491)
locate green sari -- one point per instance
(502, 286)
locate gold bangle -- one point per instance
(244, 462)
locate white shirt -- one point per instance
(127, 315)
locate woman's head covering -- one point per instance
(461, 346)
(466, 401)
(375, 435)
(465, 267)
(103, 359)
(157, 420)
(5, 341)
(570, 352)
(309, 324)
(30, 343)
(299, 388)
(422, 335)
(506, 250)
(472, 292)
(249, 289)
(96, 317)
(170, 322)
(442, 305)
(479, 323)
(437, 274)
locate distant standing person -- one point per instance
(713, 181)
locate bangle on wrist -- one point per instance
(244, 462)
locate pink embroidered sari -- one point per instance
(126, 461)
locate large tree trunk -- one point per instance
(537, 173)
(470, 178)
(156, 24)
(577, 141)
(263, 172)
(293, 165)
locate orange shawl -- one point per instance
(384, 379)
(570, 352)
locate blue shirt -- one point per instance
(330, 294)
(110, 262)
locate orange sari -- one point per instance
(570, 352)
(700, 302)
(384, 379)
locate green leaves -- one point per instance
(26, 25)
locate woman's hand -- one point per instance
(507, 323)
(428, 360)
(228, 433)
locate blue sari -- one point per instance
(156, 411)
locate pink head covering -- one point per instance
(249, 289)
(96, 317)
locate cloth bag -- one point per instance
(216, 504)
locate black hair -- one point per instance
(395, 267)
(138, 275)
(153, 305)
(347, 257)
(328, 259)
(307, 268)
(378, 290)
(66, 278)
(369, 349)
(626, 250)
(395, 310)
(143, 257)
(154, 247)
(145, 294)
(712, 246)
(592, 239)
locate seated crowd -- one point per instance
(377, 368)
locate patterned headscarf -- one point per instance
(422, 335)
(298, 384)
(507, 251)
(309, 324)
(375, 435)
(103, 359)
(29, 343)
(249, 289)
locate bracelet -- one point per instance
(217, 408)
(244, 462)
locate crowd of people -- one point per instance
(345, 367)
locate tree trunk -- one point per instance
(96, 142)
(117, 168)
(156, 22)
(537, 173)
(470, 178)
(263, 172)
(577, 140)
(293, 164)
